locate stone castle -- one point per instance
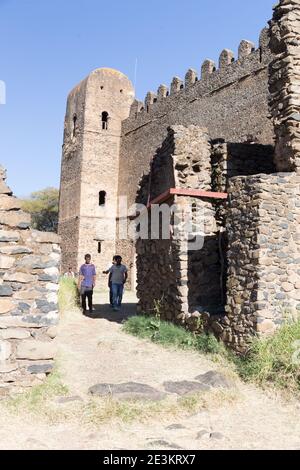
(226, 142)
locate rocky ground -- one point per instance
(97, 358)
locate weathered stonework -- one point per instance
(29, 271)
(263, 257)
(284, 83)
(230, 131)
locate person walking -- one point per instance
(109, 282)
(118, 274)
(87, 282)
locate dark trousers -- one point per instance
(89, 295)
(111, 297)
(117, 290)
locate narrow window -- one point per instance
(99, 247)
(105, 118)
(102, 198)
(74, 125)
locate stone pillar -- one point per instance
(263, 287)
(284, 83)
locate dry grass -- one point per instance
(41, 403)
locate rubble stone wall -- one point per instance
(170, 274)
(29, 272)
(263, 287)
(284, 83)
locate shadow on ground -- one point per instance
(105, 312)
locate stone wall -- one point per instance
(178, 279)
(284, 83)
(29, 270)
(263, 285)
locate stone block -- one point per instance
(45, 237)
(14, 219)
(35, 350)
(5, 350)
(14, 333)
(6, 262)
(22, 278)
(6, 290)
(9, 236)
(15, 250)
(8, 203)
(6, 305)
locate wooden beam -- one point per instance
(186, 192)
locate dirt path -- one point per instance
(95, 350)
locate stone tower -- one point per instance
(90, 167)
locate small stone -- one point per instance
(6, 262)
(174, 427)
(287, 287)
(6, 290)
(127, 391)
(202, 434)
(52, 332)
(40, 368)
(216, 436)
(164, 444)
(6, 305)
(5, 350)
(214, 379)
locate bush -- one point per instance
(275, 359)
(168, 334)
(68, 295)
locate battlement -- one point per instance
(209, 74)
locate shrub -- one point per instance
(68, 295)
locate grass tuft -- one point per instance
(36, 399)
(274, 360)
(168, 334)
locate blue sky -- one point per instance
(47, 46)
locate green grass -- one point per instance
(68, 295)
(168, 334)
(36, 399)
(274, 360)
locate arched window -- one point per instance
(105, 118)
(74, 125)
(102, 198)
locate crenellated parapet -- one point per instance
(226, 64)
